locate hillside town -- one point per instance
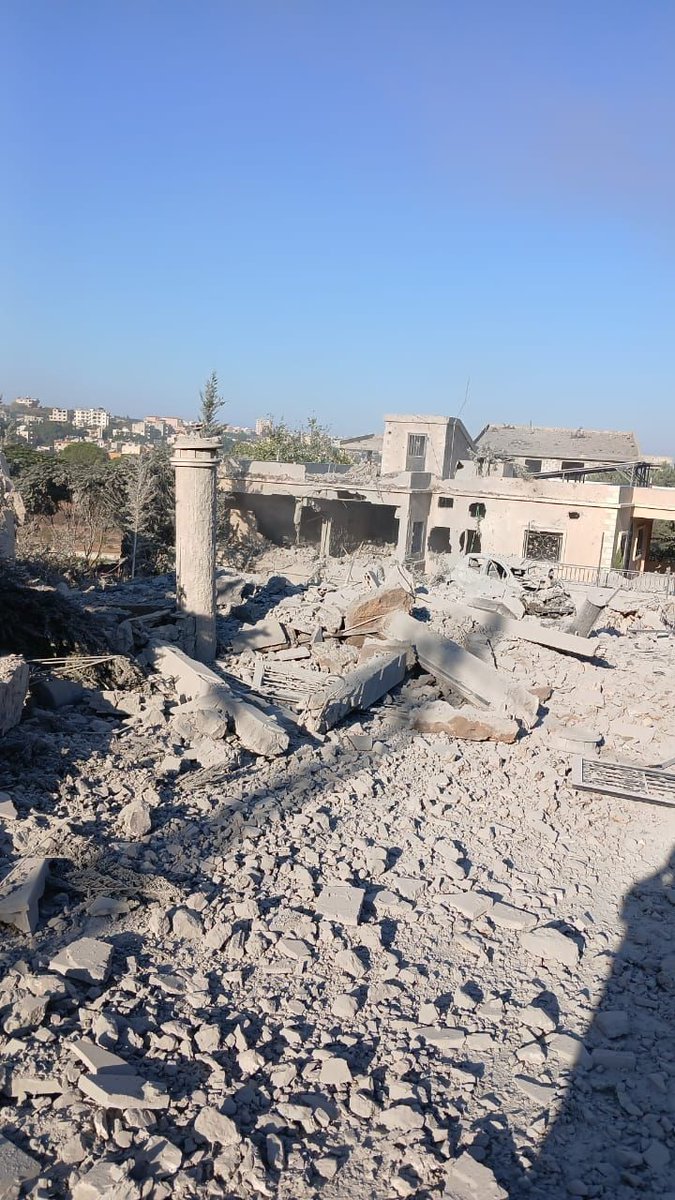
(49, 428)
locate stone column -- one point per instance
(195, 460)
(326, 535)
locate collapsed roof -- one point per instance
(536, 441)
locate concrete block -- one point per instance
(20, 891)
(57, 693)
(366, 615)
(478, 682)
(13, 687)
(359, 689)
(341, 903)
(262, 636)
(258, 732)
(471, 724)
(86, 959)
(122, 1091)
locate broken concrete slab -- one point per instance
(549, 944)
(574, 739)
(359, 689)
(476, 681)
(264, 635)
(373, 647)
(7, 808)
(86, 959)
(16, 1168)
(469, 723)
(14, 675)
(122, 1091)
(20, 891)
(530, 630)
(98, 1060)
(468, 1179)
(258, 732)
(216, 1127)
(341, 903)
(367, 613)
(106, 1181)
(507, 604)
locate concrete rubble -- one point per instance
(328, 918)
(13, 688)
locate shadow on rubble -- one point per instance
(257, 602)
(46, 764)
(612, 1137)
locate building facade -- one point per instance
(463, 505)
(91, 418)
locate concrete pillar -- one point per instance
(195, 460)
(628, 548)
(326, 534)
(297, 519)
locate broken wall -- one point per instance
(516, 517)
(273, 514)
(445, 441)
(353, 523)
(11, 511)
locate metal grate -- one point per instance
(632, 783)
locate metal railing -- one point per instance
(640, 581)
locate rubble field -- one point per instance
(371, 959)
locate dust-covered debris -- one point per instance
(388, 961)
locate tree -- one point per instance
(83, 454)
(310, 443)
(147, 508)
(662, 545)
(44, 485)
(20, 457)
(665, 476)
(212, 402)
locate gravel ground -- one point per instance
(426, 968)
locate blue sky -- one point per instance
(345, 207)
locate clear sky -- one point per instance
(345, 207)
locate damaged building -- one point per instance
(313, 889)
(437, 491)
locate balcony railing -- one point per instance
(641, 581)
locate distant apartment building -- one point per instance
(61, 415)
(263, 426)
(174, 423)
(29, 419)
(118, 448)
(155, 425)
(91, 418)
(27, 401)
(138, 428)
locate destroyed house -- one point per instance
(436, 494)
(539, 450)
